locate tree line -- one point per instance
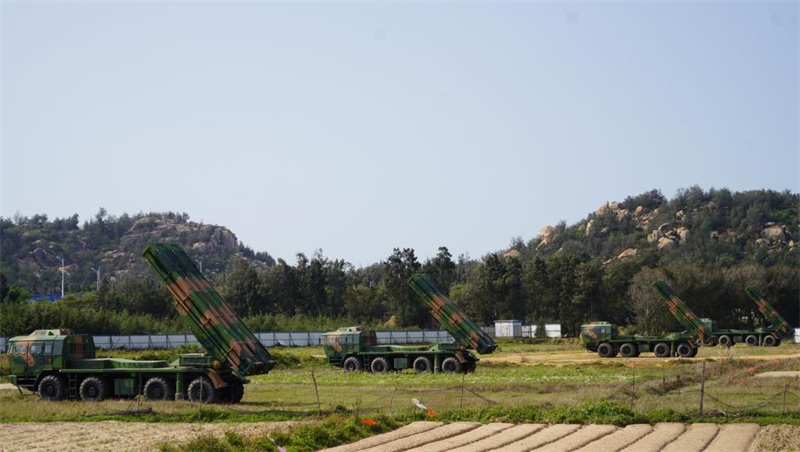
(570, 276)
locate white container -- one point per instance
(508, 328)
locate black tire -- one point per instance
(661, 350)
(52, 389)
(235, 391)
(352, 364)
(684, 350)
(769, 341)
(423, 364)
(709, 341)
(203, 391)
(751, 340)
(694, 352)
(451, 366)
(778, 342)
(379, 365)
(606, 350)
(93, 389)
(725, 341)
(469, 367)
(629, 350)
(157, 389)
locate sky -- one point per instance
(358, 127)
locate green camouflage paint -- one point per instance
(450, 316)
(682, 313)
(780, 324)
(225, 337)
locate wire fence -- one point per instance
(269, 339)
(720, 397)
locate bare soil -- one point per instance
(115, 435)
(583, 356)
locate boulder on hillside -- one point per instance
(683, 235)
(627, 254)
(665, 243)
(546, 235)
(774, 233)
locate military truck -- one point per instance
(764, 336)
(59, 364)
(780, 328)
(355, 348)
(605, 339)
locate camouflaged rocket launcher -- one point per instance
(59, 364)
(233, 347)
(355, 348)
(683, 314)
(451, 317)
(779, 324)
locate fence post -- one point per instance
(319, 406)
(702, 387)
(784, 399)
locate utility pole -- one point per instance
(63, 270)
(97, 270)
(199, 262)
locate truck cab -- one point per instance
(594, 333)
(43, 351)
(347, 341)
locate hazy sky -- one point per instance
(360, 127)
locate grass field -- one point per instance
(522, 382)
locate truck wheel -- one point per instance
(629, 350)
(235, 391)
(93, 389)
(769, 341)
(694, 352)
(684, 350)
(451, 366)
(202, 390)
(352, 364)
(469, 367)
(606, 350)
(379, 365)
(422, 364)
(751, 340)
(661, 350)
(725, 341)
(51, 388)
(157, 389)
(709, 341)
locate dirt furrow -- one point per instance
(540, 438)
(578, 439)
(421, 439)
(661, 435)
(694, 439)
(619, 439)
(402, 432)
(470, 437)
(515, 433)
(734, 438)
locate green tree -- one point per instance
(402, 302)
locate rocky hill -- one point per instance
(32, 248)
(717, 226)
